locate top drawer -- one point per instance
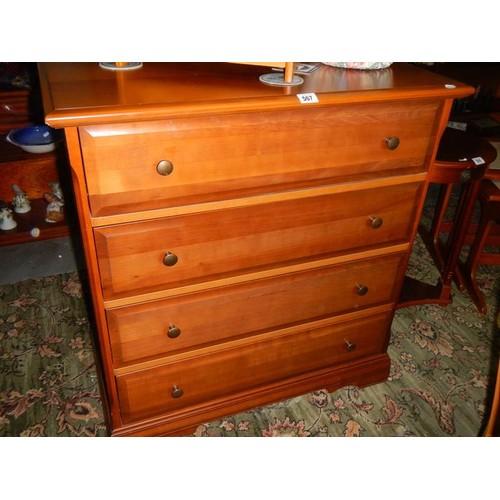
(221, 157)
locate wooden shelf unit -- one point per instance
(31, 171)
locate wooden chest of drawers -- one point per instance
(242, 247)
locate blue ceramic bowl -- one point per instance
(35, 138)
(35, 135)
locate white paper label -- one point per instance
(307, 98)
(478, 160)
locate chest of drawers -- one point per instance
(242, 247)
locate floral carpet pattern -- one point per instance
(443, 363)
(48, 382)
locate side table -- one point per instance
(462, 159)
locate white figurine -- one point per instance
(56, 190)
(20, 201)
(6, 220)
(54, 208)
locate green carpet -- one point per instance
(443, 364)
(48, 384)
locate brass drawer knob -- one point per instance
(173, 332)
(376, 222)
(349, 346)
(177, 392)
(165, 167)
(361, 290)
(170, 259)
(392, 142)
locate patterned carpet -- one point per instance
(443, 364)
(48, 383)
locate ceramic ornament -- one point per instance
(20, 201)
(54, 208)
(7, 221)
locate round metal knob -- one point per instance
(173, 332)
(170, 259)
(465, 176)
(361, 290)
(165, 167)
(349, 346)
(376, 222)
(177, 392)
(392, 142)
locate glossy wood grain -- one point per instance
(232, 371)
(206, 318)
(160, 90)
(360, 372)
(242, 240)
(248, 154)
(268, 207)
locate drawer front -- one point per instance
(167, 326)
(149, 256)
(150, 393)
(223, 157)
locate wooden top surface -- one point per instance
(457, 145)
(84, 93)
